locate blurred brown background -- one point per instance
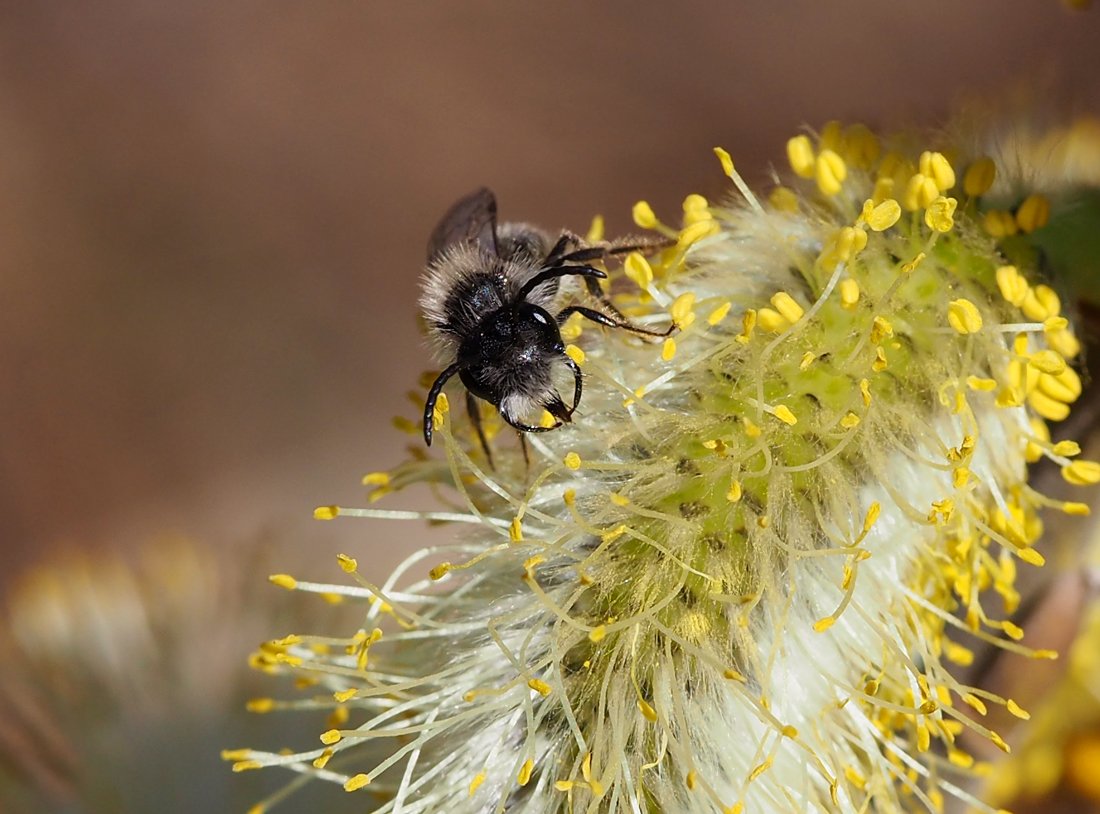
(213, 215)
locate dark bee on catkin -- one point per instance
(492, 301)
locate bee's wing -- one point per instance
(473, 219)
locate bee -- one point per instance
(492, 304)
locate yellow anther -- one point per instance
(800, 154)
(621, 500)
(691, 780)
(1012, 285)
(910, 267)
(696, 203)
(1076, 509)
(246, 765)
(849, 292)
(784, 199)
(919, 192)
(1017, 710)
(865, 392)
(1067, 449)
(999, 742)
(1065, 342)
(881, 329)
(770, 320)
(349, 564)
(883, 190)
(980, 384)
(539, 686)
(733, 494)
(1048, 361)
(1013, 631)
(718, 314)
(696, 231)
(829, 172)
(260, 705)
(595, 230)
(1031, 557)
(882, 216)
(575, 353)
(939, 169)
(862, 147)
(759, 770)
(668, 349)
(533, 562)
(849, 242)
(850, 421)
(326, 512)
(597, 634)
(807, 360)
(440, 571)
(637, 269)
(564, 785)
(235, 754)
(342, 696)
(569, 497)
(681, 310)
(1082, 473)
(356, 782)
(979, 177)
(648, 712)
(824, 623)
(283, 581)
(751, 430)
(726, 161)
(734, 675)
(573, 461)
(940, 215)
(784, 414)
(879, 364)
(322, 760)
(748, 324)
(376, 479)
(643, 215)
(331, 737)
(1033, 213)
(1066, 386)
(1040, 303)
(786, 305)
(964, 316)
(515, 530)
(831, 136)
(998, 223)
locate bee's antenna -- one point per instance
(433, 395)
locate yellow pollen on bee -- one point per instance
(575, 353)
(940, 215)
(979, 177)
(1033, 213)
(547, 420)
(800, 155)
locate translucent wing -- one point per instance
(473, 219)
